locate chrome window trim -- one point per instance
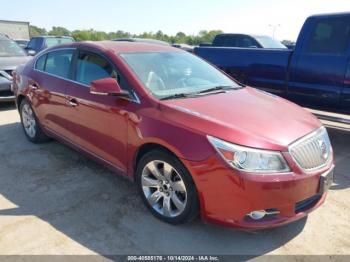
(303, 139)
(50, 51)
(135, 98)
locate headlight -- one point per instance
(250, 159)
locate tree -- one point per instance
(59, 31)
(35, 31)
(208, 37)
(180, 38)
(81, 35)
(159, 35)
(203, 36)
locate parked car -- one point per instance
(22, 43)
(315, 74)
(155, 41)
(11, 55)
(245, 41)
(39, 43)
(142, 40)
(185, 47)
(194, 140)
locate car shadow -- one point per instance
(340, 140)
(103, 212)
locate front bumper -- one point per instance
(6, 94)
(227, 195)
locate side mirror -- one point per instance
(107, 87)
(31, 52)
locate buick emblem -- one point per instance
(323, 149)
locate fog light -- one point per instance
(257, 215)
(260, 214)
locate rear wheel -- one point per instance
(30, 124)
(167, 187)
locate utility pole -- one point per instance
(274, 28)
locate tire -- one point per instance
(171, 194)
(30, 124)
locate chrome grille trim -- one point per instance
(312, 151)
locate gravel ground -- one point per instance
(56, 201)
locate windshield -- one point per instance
(52, 41)
(10, 48)
(268, 42)
(175, 73)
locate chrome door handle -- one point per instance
(33, 86)
(72, 103)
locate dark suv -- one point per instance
(39, 43)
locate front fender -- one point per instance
(184, 142)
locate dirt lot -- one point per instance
(55, 201)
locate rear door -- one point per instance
(51, 75)
(317, 70)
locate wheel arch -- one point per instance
(19, 100)
(144, 149)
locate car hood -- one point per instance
(10, 63)
(247, 116)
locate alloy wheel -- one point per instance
(164, 188)
(29, 122)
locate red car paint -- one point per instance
(113, 130)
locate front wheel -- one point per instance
(167, 188)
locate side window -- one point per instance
(219, 40)
(330, 36)
(59, 62)
(52, 41)
(40, 63)
(246, 42)
(49, 42)
(231, 41)
(92, 67)
(33, 43)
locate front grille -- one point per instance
(312, 151)
(306, 204)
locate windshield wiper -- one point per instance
(174, 96)
(194, 94)
(217, 88)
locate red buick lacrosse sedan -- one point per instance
(194, 140)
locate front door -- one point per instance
(99, 124)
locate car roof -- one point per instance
(145, 40)
(50, 36)
(231, 34)
(330, 15)
(122, 46)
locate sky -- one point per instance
(191, 16)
